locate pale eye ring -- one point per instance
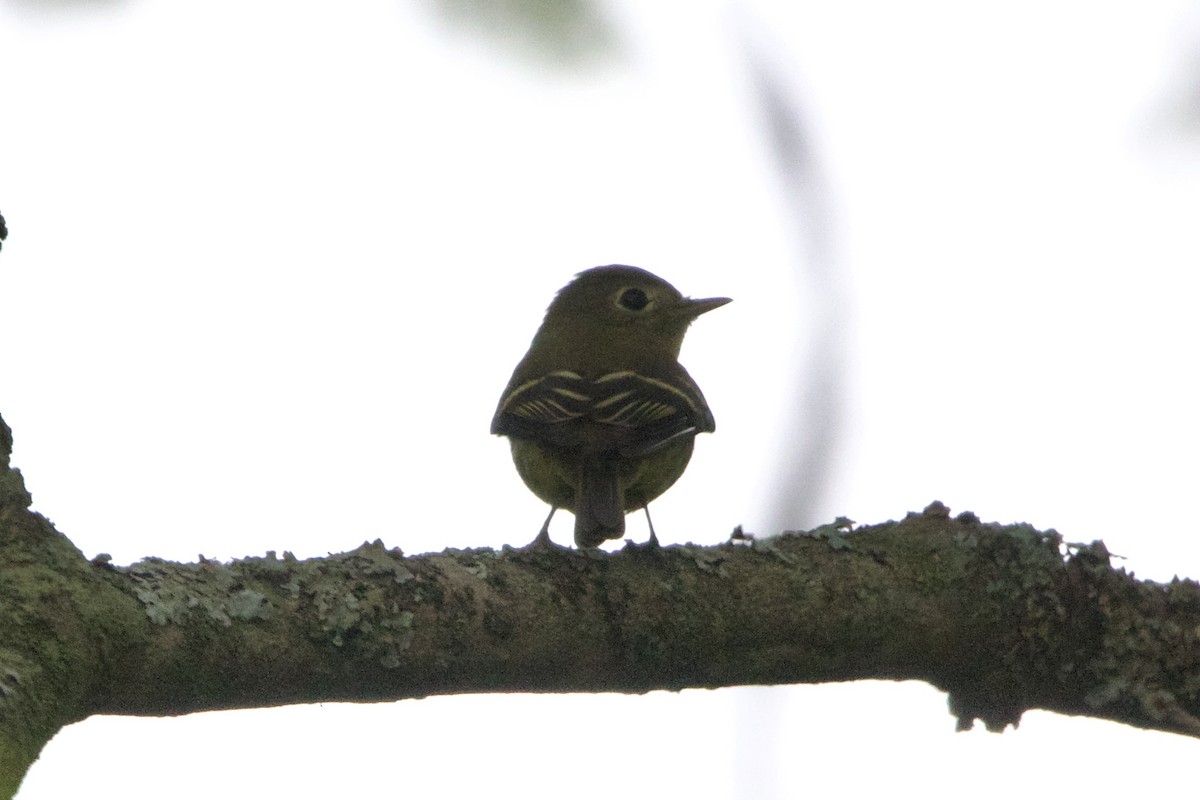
(633, 299)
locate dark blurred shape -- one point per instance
(3, 231)
(816, 421)
(811, 428)
(568, 33)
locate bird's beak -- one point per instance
(697, 307)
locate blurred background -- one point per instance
(270, 265)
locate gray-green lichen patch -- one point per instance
(834, 533)
(373, 558)
(355, 599)
(172, 593)
(365, 618)
(358, 601)
(249, 604)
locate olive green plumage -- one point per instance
(600, 413)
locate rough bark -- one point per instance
(1003, 617)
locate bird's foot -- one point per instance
(542, 544)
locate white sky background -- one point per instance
(270, 265)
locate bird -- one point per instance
(600, 415)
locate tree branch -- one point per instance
(1004, 618)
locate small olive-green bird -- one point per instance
(600, 414)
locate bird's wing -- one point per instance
(622, 412)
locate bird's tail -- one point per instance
(599, 510)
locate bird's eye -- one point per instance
(633, 299)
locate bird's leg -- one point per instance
(653, 539)
(542, 541)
